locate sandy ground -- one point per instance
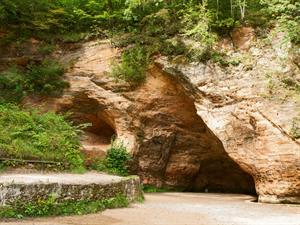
(185, 209)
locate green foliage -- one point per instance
(173, 47)
(31, 135)
(133, 66)
(52, 207)
(46, 49)
(153, 189)
(117, 158)
(197, 24)
(44, 79)
(287, 13)
(116, 161)
(11, 85)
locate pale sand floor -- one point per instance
(184, 209)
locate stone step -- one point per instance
(65, 187)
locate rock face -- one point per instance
(252, 110)
(174, 146)
(158, 122)
(236, 137)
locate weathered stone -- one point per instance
(242, 37)
(27, 188)
(239, 131)
(252, 112)
(158, 122)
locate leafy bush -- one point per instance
(11, 85)
(133, 66)
(173, 47)
(116, 161)
(287, 13)
(117, 158)
(51, 207)
(197, 24)
(31, 135)
(45, 79)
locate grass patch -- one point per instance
(45, 79)
(51, 207)
(116, 161)
(30, 135)
(153, 189)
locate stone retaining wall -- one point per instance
(16, 190)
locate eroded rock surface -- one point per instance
(240, 129)
(157, 121)
(252, 110)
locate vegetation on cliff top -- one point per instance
(155, 25)
(40, 18)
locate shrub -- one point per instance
(116, 161)
(11, 85)
(117, 158)
(133, 66)
(197, 21)
(154, 189)
(44, 79)
(286, 12)
(173, 47)
(197, 24)
(30, 135)
(291, 84)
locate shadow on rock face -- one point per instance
(176, 148)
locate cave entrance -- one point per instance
(223, 175)
(96, 138)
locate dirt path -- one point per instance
(185, 209)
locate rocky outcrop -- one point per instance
(200, 126)
(157, 121)
(174, 146)
(251, 109)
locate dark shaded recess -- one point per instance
(222, 175)
(98, 126)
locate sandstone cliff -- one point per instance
(254, 111)
(200, 126)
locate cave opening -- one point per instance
(223, 175)
(97, 137)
